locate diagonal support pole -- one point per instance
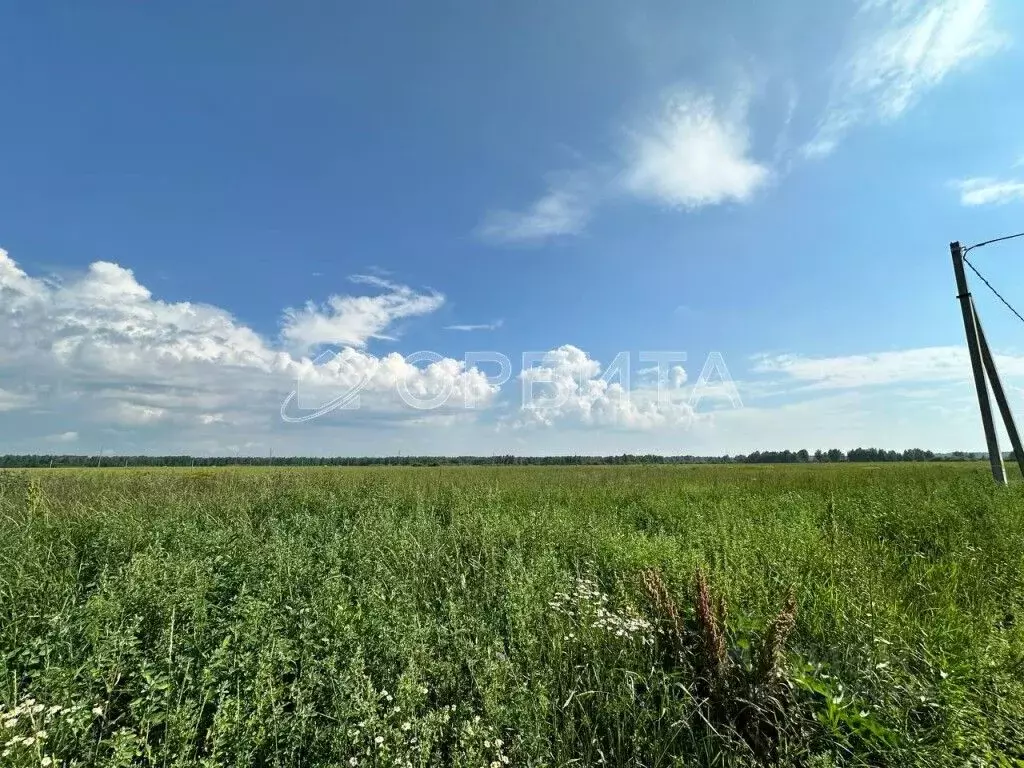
(997, 390)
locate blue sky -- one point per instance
(204, 204)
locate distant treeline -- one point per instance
(757, 457)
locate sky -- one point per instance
(319, 228)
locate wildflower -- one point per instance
(10, 722)
(406, 725)
(97, 710)
(424, 690)
(28, 741)
(42, 735)
(379, 740)
(5, 753)
(498, 743)
(495, 764)
(504, 759)
(487, 745)
(46, 761)
(353, 761)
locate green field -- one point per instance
(512, 616)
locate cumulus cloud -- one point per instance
(102, 349)
(989, 191)
(694, 154)
(901, 50)
(567, 386)
(99, 361)
(675, 375)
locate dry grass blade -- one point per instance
(769, 663)
(709, 614)
(666, 611)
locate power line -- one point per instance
(999, 296)
(989, 242)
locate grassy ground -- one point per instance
(512, 616)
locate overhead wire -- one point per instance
(983, 279)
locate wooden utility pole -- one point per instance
(977, 365)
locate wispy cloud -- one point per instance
(10, 401)
(989, 191)
(691, 153)
(925, 364)
(901, 50)
(479, 327)
(694, 154)
(354, 320)
(563, 210)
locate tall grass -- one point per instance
(504, 616)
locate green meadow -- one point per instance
(837, 615)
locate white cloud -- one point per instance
(901, 49)
(354, 320)
(989, 191)
(138, 374)
(134, 414)
(927, 364)
(694, 154)
(478, 327)
(570, 387)
(102, 351)
(563, 210)
(10, 401)
(674, 377)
